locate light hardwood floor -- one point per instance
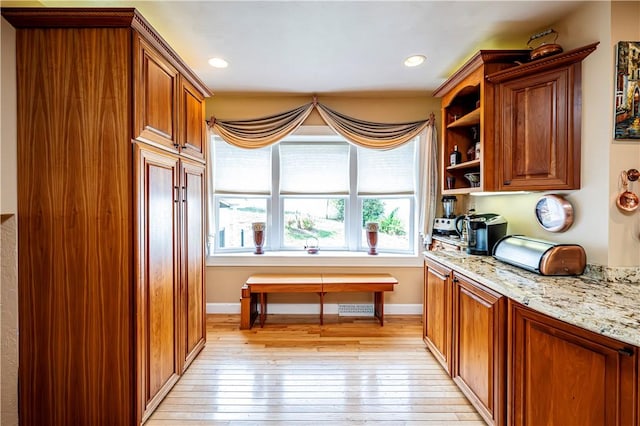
(296, 372)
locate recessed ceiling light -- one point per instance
(414, 61)
(218, 63)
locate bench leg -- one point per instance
(379, 306)
(263, 308)
(248, 308)
(321, 308)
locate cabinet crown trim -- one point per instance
(480, 57)
(99, 17)
(543, 64)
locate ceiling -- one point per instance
(302, 47)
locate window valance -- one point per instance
(261, 132)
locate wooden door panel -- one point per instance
(478, 347)
(581, 370)
(192, 141)
(438, 313)
(161, 275)
(561, 374)
(155, 101)
(158, 288)
(537, 139)
(193, 281)
(475, 337)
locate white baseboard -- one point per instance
(312, 308)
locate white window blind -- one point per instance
(383, 172)
(314, 168)
(239, 170)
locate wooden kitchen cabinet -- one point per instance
(192, 208)
(192, 139)
(559, 374)
(526, 116)
(478, 362)
(468, 108)
(436, 321)
(158, 292)
(111, 230)
(538, 122)
(169, 109)
(155, 96)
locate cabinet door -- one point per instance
(539, 137)
(564, 375)
(437, 312)
(155, 97)
(192, 261)
(192, 123)
(478, 347)
(157, 293)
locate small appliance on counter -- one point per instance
(483, 232)
(540, 256)
(446, 225)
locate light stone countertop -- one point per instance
(607, 308)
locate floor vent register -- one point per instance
(354, 310)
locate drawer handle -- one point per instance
(506, 182)
(625, 352)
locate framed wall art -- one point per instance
(627, 88)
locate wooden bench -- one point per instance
(257, 287)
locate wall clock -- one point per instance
(554, 213)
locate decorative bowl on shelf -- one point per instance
(473, 178)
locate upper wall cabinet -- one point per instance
(468, 108)
(156, 91)
(515, 122)
(192, 122)
(538, 120)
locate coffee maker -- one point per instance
(483, 232)
(446, 225)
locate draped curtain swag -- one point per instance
(261, 132)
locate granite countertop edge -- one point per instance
(610, 309)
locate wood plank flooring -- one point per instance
(296, 372)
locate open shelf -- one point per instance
(463, 190)
(466, 120)
(466, 165)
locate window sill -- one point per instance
(323, 258)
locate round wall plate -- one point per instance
(554, 213)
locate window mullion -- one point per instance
(275, 215)
(352, 206)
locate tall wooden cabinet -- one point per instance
(110, 216)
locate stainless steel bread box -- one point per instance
(540, 256)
